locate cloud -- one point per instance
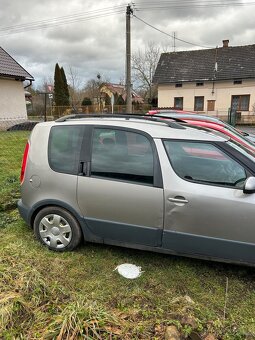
(98, 44)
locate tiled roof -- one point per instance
(232, 63)
(120, 90)
(9, 68)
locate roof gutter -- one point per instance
(30, 83)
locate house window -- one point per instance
(199, 103)
(200, 84)
(178, 103)
(178, 85)
(241, 103)
(236, 82)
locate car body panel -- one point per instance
(119, 209)
(208, 221)
(194, 217)
(41, 183)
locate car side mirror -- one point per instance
(249, 185)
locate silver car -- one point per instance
(139, 182)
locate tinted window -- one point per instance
(123, 155)
(205, 163)
(64, 148)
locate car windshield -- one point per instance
(242, 149)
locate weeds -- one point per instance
(47, 295)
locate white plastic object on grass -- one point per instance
(129, 271)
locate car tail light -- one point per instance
(24, 163)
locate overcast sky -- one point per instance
(38, 33)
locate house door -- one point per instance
(210, 105)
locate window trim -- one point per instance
(157, 173)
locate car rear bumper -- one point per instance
(24, 211)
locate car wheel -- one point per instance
(56, 228)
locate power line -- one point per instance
(169, 35)
(198, 1)
(63, 20)
(145, 5)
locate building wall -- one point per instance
(12, 100)
(223, 92)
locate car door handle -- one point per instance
(178, 200)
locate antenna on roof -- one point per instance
(215, 69)
(174, 40)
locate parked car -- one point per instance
(24, 126)
(158, 185)
(211, 123)
(249, 136)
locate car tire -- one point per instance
(57, 229)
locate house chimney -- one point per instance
(225, 43)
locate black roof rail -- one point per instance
(150, 118)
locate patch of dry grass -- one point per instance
(78, 295)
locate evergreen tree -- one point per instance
(86, 101)
(61, 92)
(66, 96)
(58, 86)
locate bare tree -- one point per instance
(75, 91)
(43, 86)
(92, 88)
(144, 64)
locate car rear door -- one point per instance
(120, 194)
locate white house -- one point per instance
(12, 94)
(210, 81)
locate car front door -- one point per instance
(207, 212)
(121, 195)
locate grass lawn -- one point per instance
(78, 295)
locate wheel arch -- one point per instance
(53, 203)
(88, 235)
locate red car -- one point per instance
(207, 122)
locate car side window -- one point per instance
(204, 163)
(122, 155)
(64, 148)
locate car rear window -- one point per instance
(64, 148)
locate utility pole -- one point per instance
(45, 103)
(128, 61)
